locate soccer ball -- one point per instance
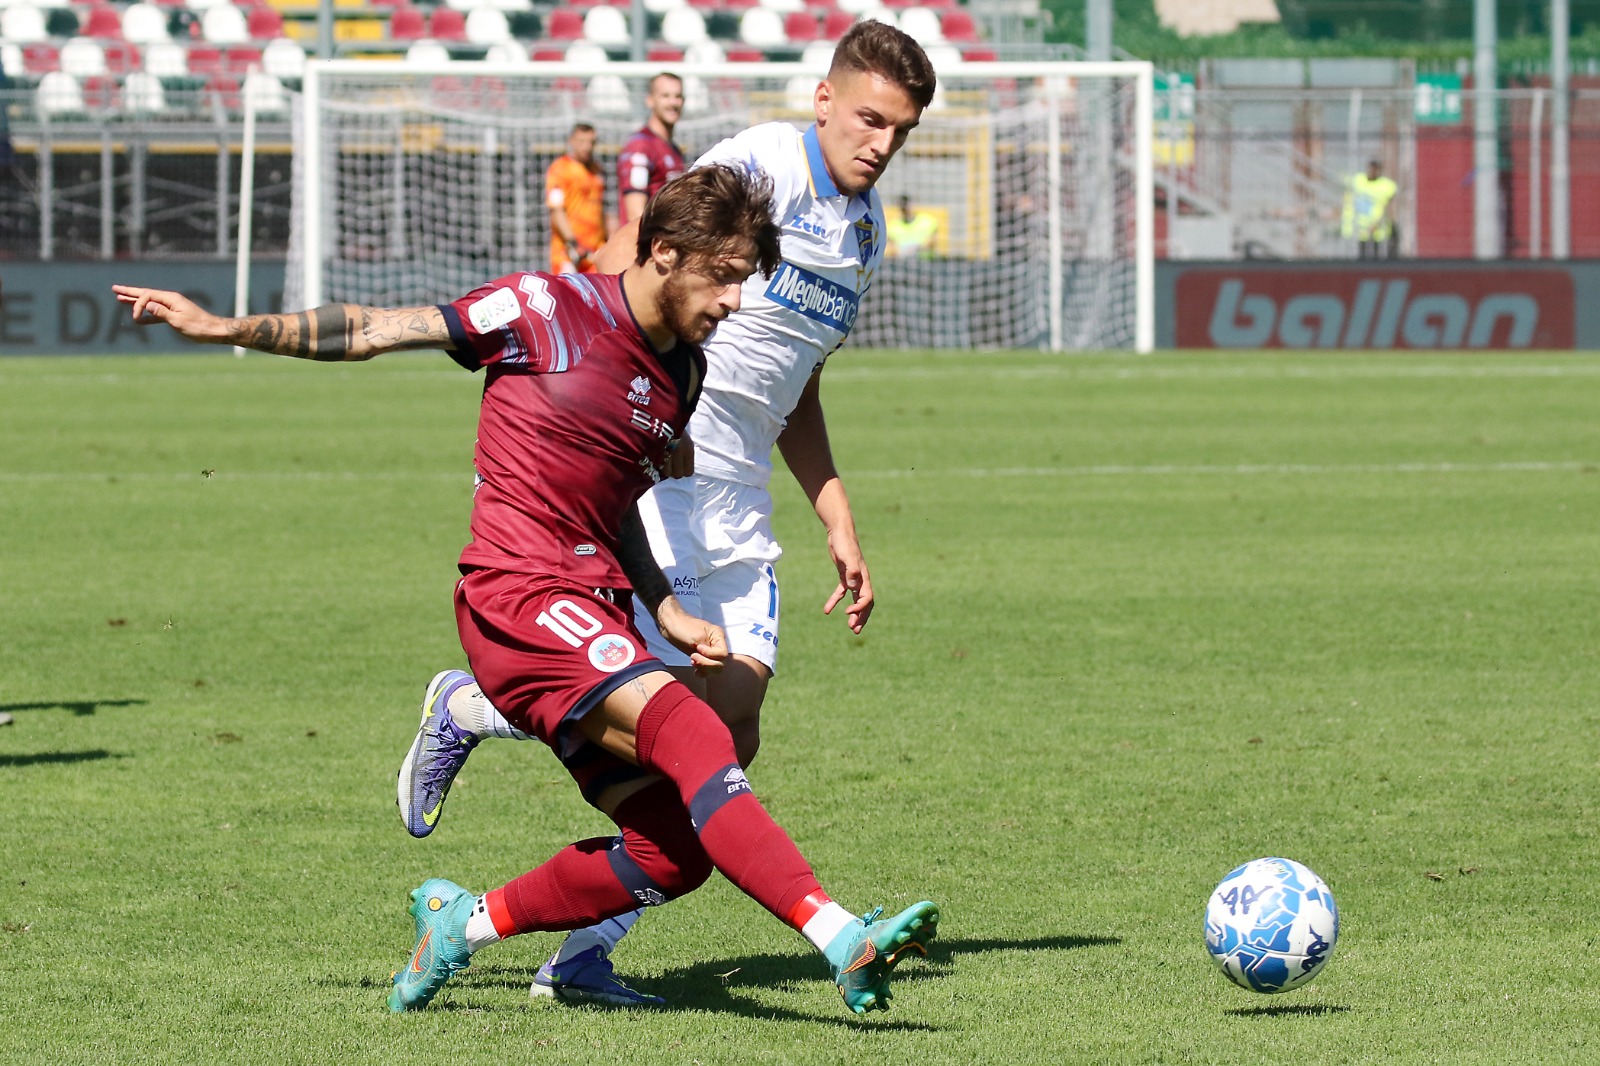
(1271, 925)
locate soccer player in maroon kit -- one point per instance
(649, 159)
(590, 378)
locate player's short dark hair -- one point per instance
(711, 213)
(873, 47)
(581, 127)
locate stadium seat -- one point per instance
(224, 24)
(101, 92)
(661, 7)
(585, 55)
(264, 24)
(978, 55)
(11, 57)
(510, 6)
(817, 56)
(102, 22)
(958, 27)
(799, 92)
(663, 54)
(462, 6)
(606, 25)
(746, 55)
(205, 62)
(784, 7)
(607, 94)
(144, 24)
(121, 57)
(427, 53)
(203, 5)
(59, 95)
(507, 53)
(835, 23)
(921, 25)
(283, 58)
(142, 94)
(266, 94)
(943, 56)
(705, 5)
(39, 58)
(801, 27)
(548, 54)
(565, 25)
(683, 27)
(407, 24)
(240, 60)
(446, 24)
(762, 27)
(487, 25)
(83, 58)
(706, 51)
(24, 24)
(166, 59)
(224, 87)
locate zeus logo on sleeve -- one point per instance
(813, 296)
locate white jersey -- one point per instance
(760, 358)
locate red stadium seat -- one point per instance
(566, 24)
(407, 23)
(800, 27)
(205, 61)
(101, 92)
(226, 86)
(836, 23)
(958, 27)
(548, 55)
(103, 22)
(240, 60)
(121, 57)
(979, 55)
(666, 55)
(447, 24)
(264, 24)
(40, 58)
(738, 54)
(706, 5)
(821, 7)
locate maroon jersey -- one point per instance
(577, 414)
(647, 162)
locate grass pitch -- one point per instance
(1140, 619)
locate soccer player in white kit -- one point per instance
(711, 531)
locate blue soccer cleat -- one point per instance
(864, 954)
(441, 909)
(436, 756)
(588, 978)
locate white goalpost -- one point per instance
(414, 184)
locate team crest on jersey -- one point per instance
(866, 239)
(610, 652)
(639, 391)
(497, 309)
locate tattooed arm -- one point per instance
(332, 333)
(705, 643)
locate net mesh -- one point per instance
(431, 184)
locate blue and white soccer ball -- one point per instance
(1271, 925)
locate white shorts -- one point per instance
(713, 540)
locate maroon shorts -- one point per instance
(545, 652)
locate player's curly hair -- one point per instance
(711, 213)
(873, 47)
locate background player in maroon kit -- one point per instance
(650, 159)
(589, 380)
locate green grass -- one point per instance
(1140, 619)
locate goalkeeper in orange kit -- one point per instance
(575, 191)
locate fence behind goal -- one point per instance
(414, 185)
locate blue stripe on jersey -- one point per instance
(515, 353)
(591, 295)
(821, 180)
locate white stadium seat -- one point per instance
(877, 14)
(683, 26)
(83, 58)
(944, 56)
(585, 55)
(784, 7)
(166, 59)
(818, 55)
(799, 93)
(59, 94)
(696, 97)
(10, 56)
(266, 93)
(23, 24)
(487, 25)
(202, 5)
(224, 24)
(144, 23)
(661, 7)
(512, 5)
(857, 7)
(762, 27)
(921, 24)
(606, 25)
(508, 53)
(427, 53)
(608, 94)
(707, 51)
(283, 58)
(142, 94)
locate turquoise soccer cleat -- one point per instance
(436, 756)
(441, 909)
(863, 955)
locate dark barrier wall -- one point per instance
(68, 308)
(1416, 304)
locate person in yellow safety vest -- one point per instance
(1367, 213)
(911, 233)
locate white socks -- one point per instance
(480, 927)
(826, 924)
(473, 712)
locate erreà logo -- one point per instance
(813, 296)
(1424, 309)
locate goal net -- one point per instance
(416, 184)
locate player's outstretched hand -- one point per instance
(680, 459)
(176, 310)
(854, 581)
(704, 642)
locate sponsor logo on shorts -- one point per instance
(813, 296)
(686, 583)
(494, 310)
(610, 652)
